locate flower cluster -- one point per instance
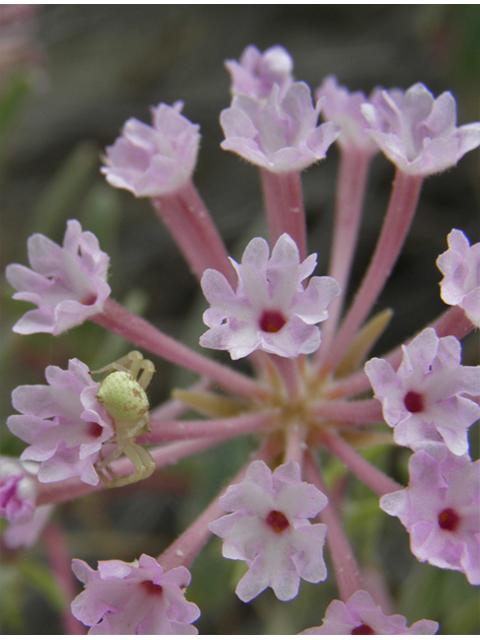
(278, 511)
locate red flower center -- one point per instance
(94, 430)
(414, 402)
(277, 521)
(448, 519)
(151, 588)
(272, 321)
(363, 630)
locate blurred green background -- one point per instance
(91, 67)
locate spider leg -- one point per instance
(141, 460)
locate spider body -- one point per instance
(122, 393)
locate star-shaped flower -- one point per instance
(154, 160)
(68, 284)
(271, 309)
(361, 616)
(63, 423)
(417, 131)
(425, 399)
(441, 510)
(134, 598)
(269, 529)
(460, 266)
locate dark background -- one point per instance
(102, 64)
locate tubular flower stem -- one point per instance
(350, 195)
(187, 218)
(295, 443)
(172, 430)
(347, 573)
(355, 412)
(185, 549)
(282, 195)
(60, 560)
(400, 213)
(116, 318)
(367, 473)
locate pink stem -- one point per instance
(282, 195)
(354, 412)
(295, 443)
(141, 333)
(400, 213)
(186, 548)
(168, 430)
(60, 561)
(351, 186)
(366, 472)
(187, 218)
(347, 573)
(66, 490)
(289, 372)
(171, 409)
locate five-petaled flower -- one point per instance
(441, 510)
(424, 400)
(417, 131)
(271, 310)
(68, 284)
(460, 266)
(279, 133)
(344, 107)
(154, 160)
(134, 598)
(256, 72)
(63, 423)
(361, 616)
(270, 530)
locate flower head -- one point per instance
(417, 131)
(154, 160)
(257, 72)
(424, 400)
(68, 284)
(270, 530)
(441, 510)
(344, 107)
(460, 266)
(63, 422)
(361, 616)
(271, 310)
(279, 133)
(134, 598)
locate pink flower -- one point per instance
(154, 160)
(68, 284)
(269, 529)
(63, 422)
(18, 495)
(279, 133)
(441, 510)
(18, 491)
(134, 598)
(271, 310)
(361, 616)
(424, 400)
(417, 132)
(344, 107)
(256, 73)
(460, 266)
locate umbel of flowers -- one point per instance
(311, 385)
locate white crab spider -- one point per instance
(122, 393)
